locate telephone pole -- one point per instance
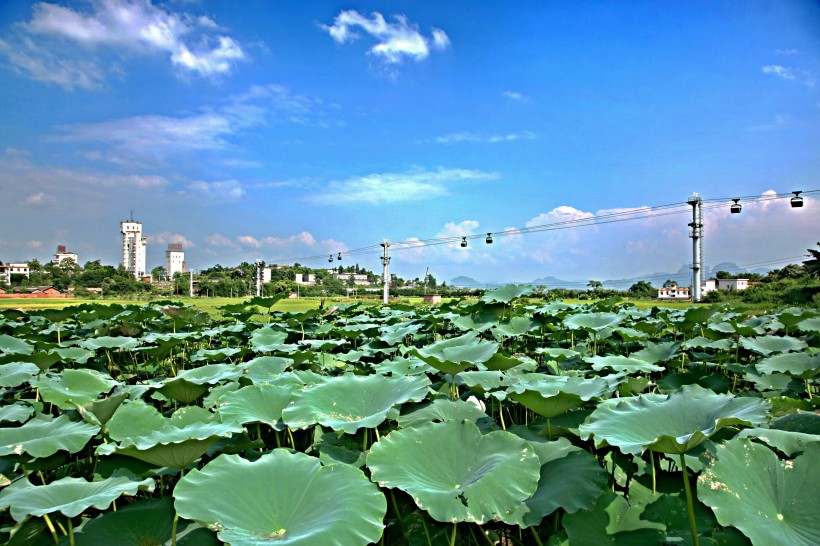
(697, 244)
(258, 278)
(386, 269)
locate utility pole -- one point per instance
(697, 244)
(258, 278)
(191, 284)
(386, 269)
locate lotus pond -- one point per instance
(490, 421)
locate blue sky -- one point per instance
(279, 130)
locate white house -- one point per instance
(62, 255)
(307, 279)
(358, 278)
(13, 268)
(133, 248)
(174, 259)
(674, 292)
(730, 285)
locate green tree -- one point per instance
(159, 273)
(812, 266)
(595, 285)
(643, 289)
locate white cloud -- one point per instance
(787, 52)
(416, 185)
(779, 121)
(40, 198)
(220, 240)
(514, 95)
(414, 250)
(227, 189)
(396, 41)
(34, 244)
(167, 237)
(43, 49)
(779, 71)
(457, 138)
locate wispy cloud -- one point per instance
(66, 46)
(156, 139)
(396, 41)
(779, 121)
(786, 52)
(416, 185)
(514, 95)
(791, 74)
(227, 189)
(166, 237)
(40, 198)
(456, 138)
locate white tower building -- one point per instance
(174, 259)
(133, 248)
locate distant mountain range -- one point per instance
(683, 277)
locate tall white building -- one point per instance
(133, 248)
(62, 254)
(174, 259)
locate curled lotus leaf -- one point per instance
(256, 404)
(809, 325)
(787, 441)
(622, 364)
(68, 496)
(456, 474)
(802, 365)
(768, 500)
(673, 423)
(77, 386)
(552, 395)
(15, 374)
(351, 402)
(282, 497)
(42, 437)
(73, 354)
(456, 354)
(211, 374)
(19, 412)
(657, 352)
(594, 322)
(13, 345)
(507, 293)
(767, 345)
(110, 342)
(441, 410)
(264, 368)
(613, 521)
(211, 355)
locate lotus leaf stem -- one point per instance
(536, 537)
(51, 528)
(62, 529)
(174, 530)
(42, 478)
(689, 504)
(453, 534)
(70, 533)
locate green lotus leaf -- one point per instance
(69, 496)
(557, 353)
(78, 386)
(612, 521)
(770, 501)
(801, 421)
(264, 368)
(696, 316)
(622, 364)
(809, 325)
(502, 362)
(572, 482)
(700, 342)
(594, 322)
(403, 366)
(801, 365)
(516, 326)
(657, 352)
(507, 293)
(42, 437)
(266, 339)
(766, 345)
(211, 355)
(769, 382)
(787, 441)
(134, 419)
(142, 523)
(256, 404)
(267, 302)
(182, 390)
(211, 374)
(396, 333)
(19, 412)
(670, 424)
(441, 410)
(108, 342)
(454, 355)
(455, 473)
(282, 497)
(552, 395)
(15, 374)
(485, 381)
(99, 412)
(672, 382)
(12, 345)
(73, 354)
(351, 402)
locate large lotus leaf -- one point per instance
(211, 374)
(515, 327)
(99, 412)
(485, 381)
(455, 473)
(808, 423)
(622, 364)
(612, 521)
(13, 345)
(403, 366)
(266, 302)
(19, 412)
(809, 325)
(108, 342)
(556, 353)
(507, 293)
(282, 497)
(267, 339)
(657, 352)
(211, 355)
(441, 410)
(264, 368)
(182, 390)
(351, 402)
(147, 522)
(78, 386)
(256, 404)
(73, 354)
(397, 333)
(572, 482)
(133, 420)
(670, 424)
(502, 362)
(69, 496)
(44, 437)
(802, 365)
(552, 395)
(456, 354)
(15, 374)
(766, 345)
(787, 441)
(770, 501)
(594, 322)
(695, 316)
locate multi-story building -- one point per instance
(730, 285)
(12, 268)
(62, 254)
(174, 259)
(133, 248)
